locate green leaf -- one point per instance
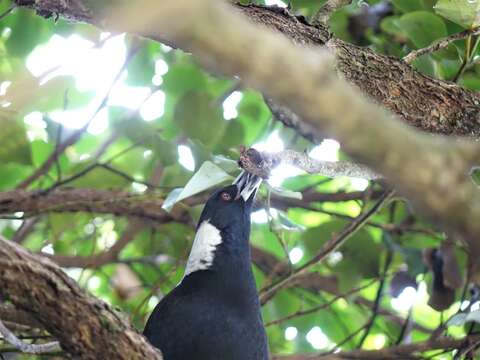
(465, 13)
(352, 263)
(28, 30)
(205, 178)
(408, 6)
(234, 136)
(472, 82)
(287, 224)
(98, 177)
(225, 163)
(142, 67)
(165, 151)
(392, 25)
(182, 78)
(26, 94)
(475, 175)
(13, 174)
(147, 135)
(253, 114)
(41, 150)
(199, 116)
(425, 64)
(423, 27)
(285, 193)
(13, 137)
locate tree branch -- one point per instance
(10, 313)
(86, 328)
(332, 169)
(143, 206)
(27, 348)
(429, 104)
(398, 352)
(324, 13)
(116, 202)
(288, 118)
(440, 44)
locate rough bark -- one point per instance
(87, 328)
(10, 313)
(432, 105)
(123, 203)
(31, 203)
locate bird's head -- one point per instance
(225, 220)
(232, 204)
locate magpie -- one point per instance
(214, 312)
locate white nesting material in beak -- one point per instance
(247, 184)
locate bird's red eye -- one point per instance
(226, 196)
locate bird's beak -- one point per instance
(247, 184)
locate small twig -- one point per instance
(378, 298)
(466, 59)
(347, 339)
(24, 230)
(323, 15)
(406, 327)
(290, 119)
(57, 158)
(312, 310)
(275, 231)
(13, 340)
(105, 165)
(440, 44)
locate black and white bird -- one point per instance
(214, 313)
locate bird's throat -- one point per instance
(206, 240)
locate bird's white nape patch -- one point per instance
(202, 254)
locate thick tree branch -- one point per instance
(148, 207)
(86, 328)
(429, 104)
(143, 206)
(10, 313)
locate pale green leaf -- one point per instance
(205, 178)
(465, 13)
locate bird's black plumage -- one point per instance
(214, 313)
